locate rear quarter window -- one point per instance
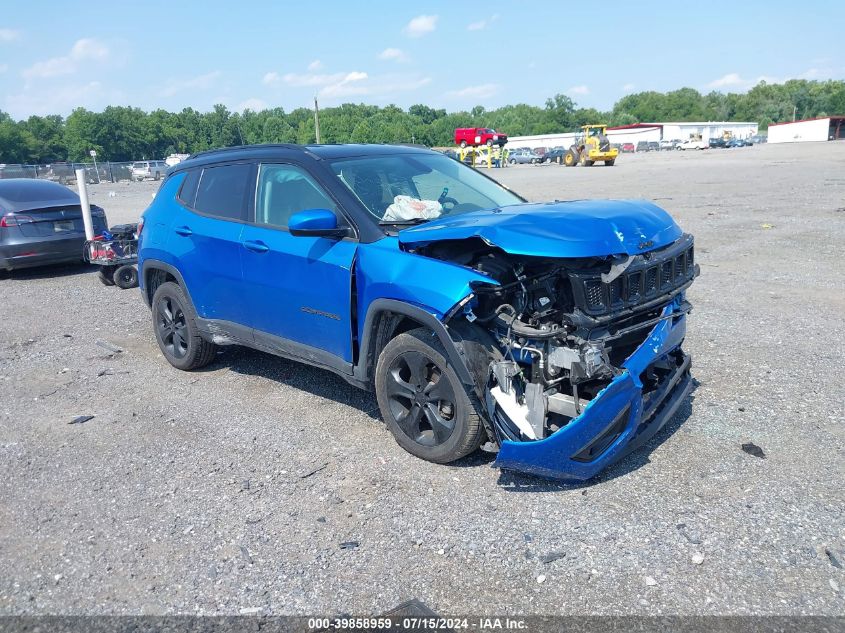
(188, 191)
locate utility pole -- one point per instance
(317, 119)
(794, 112)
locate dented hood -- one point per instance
(580, 228)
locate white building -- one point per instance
(823, 129)
(671, 131)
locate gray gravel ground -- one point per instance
(232, 488)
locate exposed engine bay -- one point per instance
(565, 326)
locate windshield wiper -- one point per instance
(407, 222)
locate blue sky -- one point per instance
(454, 55)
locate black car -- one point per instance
(554, 155)
(642, 146)
(41, 223)
(653, 146)
(717, 142)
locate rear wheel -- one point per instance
(176, 332)
(490, 143)
(570, 159)
(610, 163)
(106, 275)
(422, 400)
(126, 277)
(463, 144)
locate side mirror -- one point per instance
(315, 223)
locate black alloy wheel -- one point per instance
(172, 327)
(421, 400)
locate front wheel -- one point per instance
(422, 400)
(570, 159)
(176, 332)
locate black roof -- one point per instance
(283, 150)
(19, 194)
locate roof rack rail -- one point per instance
(233, 148)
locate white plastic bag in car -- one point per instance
(406, 208)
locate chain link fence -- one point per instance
(65, 173)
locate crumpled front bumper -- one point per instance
(618, 420)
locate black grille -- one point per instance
(651, 280)
(666, 274)
(635, 281)
(593, 291)
(648, 277)
(616, 291)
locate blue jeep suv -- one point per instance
(549, 333)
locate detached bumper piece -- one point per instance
(627, 413)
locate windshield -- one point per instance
(413, 188)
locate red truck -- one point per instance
(479, 136)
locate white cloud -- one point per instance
(482, 24)
(482, 91)
(379, 87)
(731, 79)
(578, 90)
(270, 78)
(393, 54)
(9, 35)
(628, 87)
(84, 50)
(349, 85)
(201, 82)
(256, 105)
(61, 99)
(315, 65)
(421, 25)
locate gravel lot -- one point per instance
(232, 488)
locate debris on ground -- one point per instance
(349, 544)
(314, 471)
(551, 557)
(697, 558)
(831, 556)
(752, 449)
(691, 535)
(81, 419)
(650, 582)
(245, 554)
(114, 349)
(541, 579)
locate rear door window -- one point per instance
(222, 191)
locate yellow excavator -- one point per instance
(591, 147)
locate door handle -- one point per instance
(183, 230)
(256, 246)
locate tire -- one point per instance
(175, 329)
(157, 176)
(490, 143)
(610, 163)
(463, 144)
(106, 275)
(438, 430)
(570, 159)
(512, 161)
(126, 277)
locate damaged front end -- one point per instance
(589, 363)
